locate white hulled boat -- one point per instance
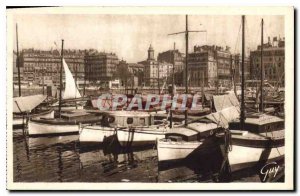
(183, 142)
(140, 136)
(69, 123)
(261, 141)
(130, 127)
(198, 137)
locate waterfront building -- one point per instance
(137, 70)
(202, 68)
(215, 65)
(44, 65)
(130, 74)
(100, 66)
(217, 61)
(173, 57)
(273, 61)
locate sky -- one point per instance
(129, 36)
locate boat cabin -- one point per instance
(127, 119)
(259, 124)
(194, 131)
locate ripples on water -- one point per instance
(63, 159)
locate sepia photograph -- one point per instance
(150, 98)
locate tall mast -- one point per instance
(76, 84)
(158, 78)
(186, 64)
(172, 93)
(186, 32)
(18, 61)
(76, 75)
(242, 117)
(233, 73)
(217, 86)
(202, 86)
(60, 80)
(43, 75)
(261, 106)
(85, 73)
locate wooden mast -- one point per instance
(202, 87)
(217, 81)
(186, 65)
(18, 61)
(85, 73)
(76, 84)
(242, 115)
(186, 32)
(261, 67)
(60, 80)
(43, 75)
(172, 93)
(158, 78)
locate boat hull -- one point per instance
(179, 150)
(95, 134)
(242, 157)
(251, 149)
(18, 122)
(139, 137)
(37, 128)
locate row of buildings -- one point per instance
(208, 64)
(273, 61)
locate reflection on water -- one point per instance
(63, 159)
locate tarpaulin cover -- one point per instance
(223, 117)
(26, 104)
(225, 101)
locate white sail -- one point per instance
(71, 90)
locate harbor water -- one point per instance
(64, 159)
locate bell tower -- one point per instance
(150, 53)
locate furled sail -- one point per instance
(71, 90)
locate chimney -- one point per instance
(275, 42)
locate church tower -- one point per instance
(150, 53)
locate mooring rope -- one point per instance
(227, 149)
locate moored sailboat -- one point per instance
(63, 125)
(260, 141)
(254, 140)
